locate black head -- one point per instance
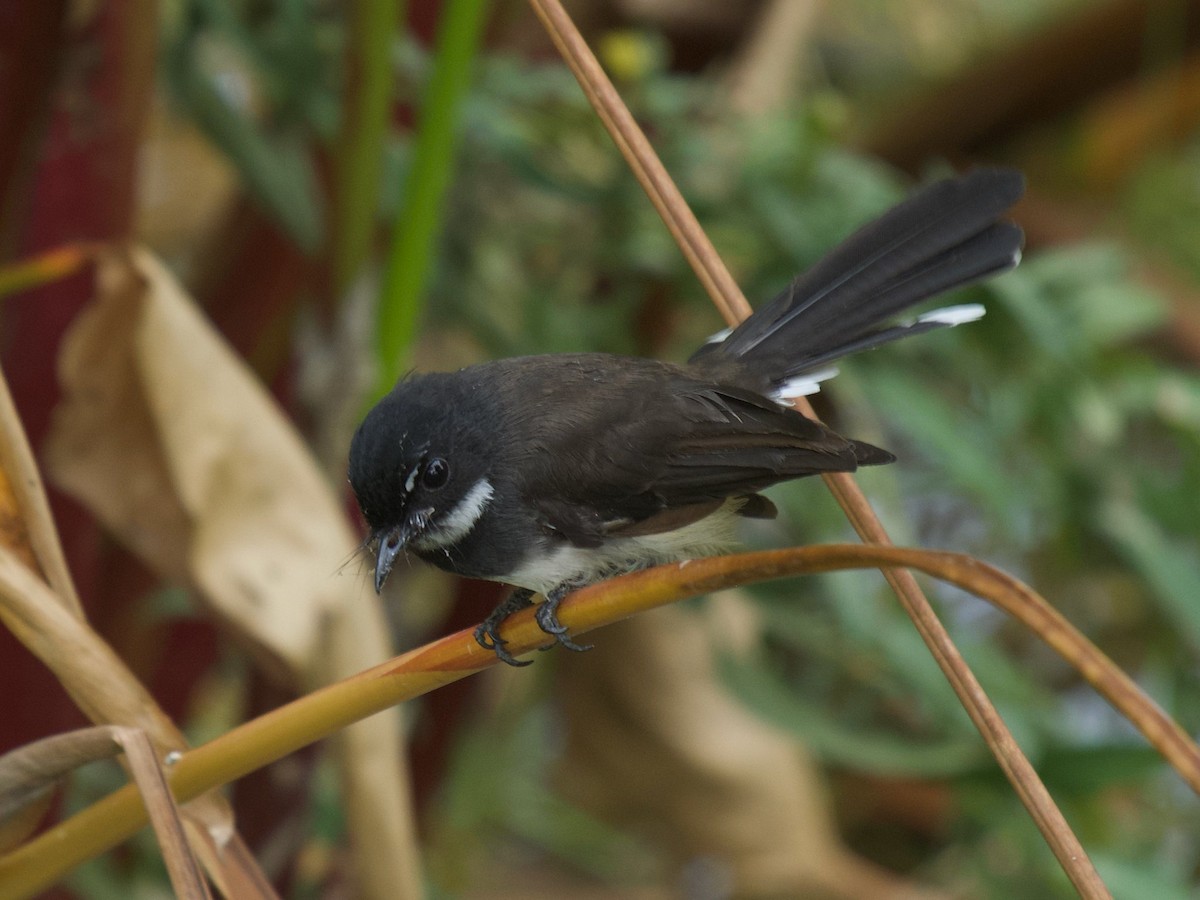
(419, 466)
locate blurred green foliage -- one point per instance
(1163, 204)
(415, 233)
(1049, 439)
(259, 81)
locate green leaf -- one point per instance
(1130, 879)
(954, 442)
(867, 749)
(1087, 769)
(277, 169)
(361, 150)
(1078, 301)
(1172, 569)
(414, 239)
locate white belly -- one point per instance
(577, 566)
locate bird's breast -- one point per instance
(556, 562)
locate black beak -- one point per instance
(393, 541)
(391, 544)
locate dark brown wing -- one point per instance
(644, 447)
(740, 442)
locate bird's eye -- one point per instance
(436, 474)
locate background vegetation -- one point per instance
(352, 190)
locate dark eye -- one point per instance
(436, 474)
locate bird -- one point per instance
(551, 472)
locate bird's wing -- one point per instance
(738, 442)
(678, 451)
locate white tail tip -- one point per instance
(719, 336)
(801, 385)
(954, 315)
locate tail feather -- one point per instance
(989, 253)
(992, 250)
(944, 236)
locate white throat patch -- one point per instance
(456, 524)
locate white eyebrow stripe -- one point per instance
(410, 480)
(457, 523)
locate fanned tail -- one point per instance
(946, 235)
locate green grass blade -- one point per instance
(419, 222)
(367, 111)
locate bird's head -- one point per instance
(418, 467)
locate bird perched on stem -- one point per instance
(552, 472)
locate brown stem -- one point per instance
(717, 281)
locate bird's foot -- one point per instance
(488, 633)
(547, 619)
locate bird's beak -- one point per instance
(393, 541)
(391, 544)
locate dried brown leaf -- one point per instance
(28, 775)
(165, 435)
(86, 666)
(168, 437)
(13, 533)
(163, 811)
(27, 526)
(48, 620)
(661, 759)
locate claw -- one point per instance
(569, 644)
(547, 619)
(488, 633)
(489, 638)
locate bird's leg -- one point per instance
(547, 618)
(488, 634)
